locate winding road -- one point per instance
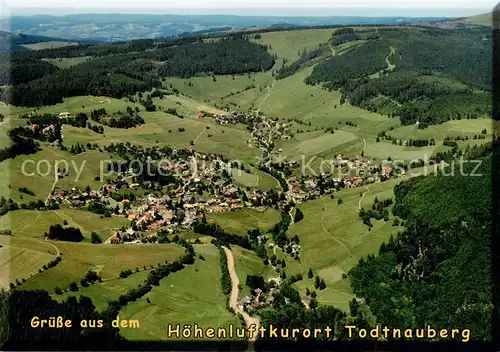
(233, 300)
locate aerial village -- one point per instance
(203, 183)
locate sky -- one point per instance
(445, 8)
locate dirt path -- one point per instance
(390, 66)
(329, 234)
(249, 321)
(56, 178)
(200, 134)
(362, 197)
(265, 98)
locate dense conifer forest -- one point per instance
(122, 69)
(425, 75)
(438, 270)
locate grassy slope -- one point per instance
(48, 45)
(248, 263)
(287, 44)
(66, 62)
(34, 223)
(161, 128)
(255, 178)
(103, 292)
(41, 181)
(333, 239)
(484, 19)
(190, 296)
(7, 124)
(108, 260)
(239, 221)
(21, 257)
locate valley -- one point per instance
(253, 178)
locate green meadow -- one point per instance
(333, 239)
(106, 259)
(241, 220)
(192, 295)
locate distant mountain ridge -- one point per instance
(118, 27)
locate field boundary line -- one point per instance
(329, 234)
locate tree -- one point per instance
(322, 284)
(308, 292)
(310, 273)
(57, 291)
(313, 303)
(317, 282)
(354, 305)
(73, 286)
(95, 238)
(298, 215)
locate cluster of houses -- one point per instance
(263, 130)
(203, 184)
(259, 298)
(344, 172)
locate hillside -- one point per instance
(437, 271)
(21, 42)
(298, 176)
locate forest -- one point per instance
(424, 98)
(358, 62)
(425, 75)
(16, 69)
(438, 270)
(127, 69)
(225, 56)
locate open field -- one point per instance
(315, 143)
(205, 89)
(192, 295)
(87, 103)
(48, 45)
(385, 149)
(162, 128)
(248, 263)
(288, 44)
(38, 172)
(102, 292)
(291, 98)
(241, 220)
(7, 124)
(256, 179)
(21, 257)
(9, 110)
(452, 128)
(106, 259)
(186, 106)
(34, 223)
(66, 62)
(333, 238)
(485, 19)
